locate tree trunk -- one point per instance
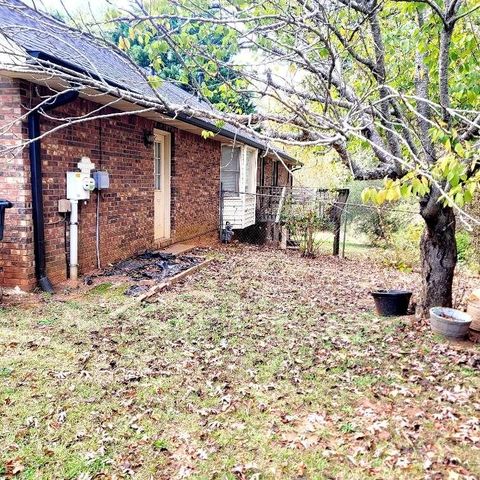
(438, 252)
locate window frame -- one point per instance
(158, 153)
(275, 174)
(237, 172)
(250, 183)
(261, 180)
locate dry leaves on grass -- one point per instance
(264, 365)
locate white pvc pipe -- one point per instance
(74, 240)
(97, 231)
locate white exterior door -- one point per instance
(161, 170)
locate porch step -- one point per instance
(179, 248)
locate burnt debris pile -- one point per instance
(153, 266)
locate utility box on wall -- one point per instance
(102, 180)
(79, 185)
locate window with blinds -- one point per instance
(230, 170)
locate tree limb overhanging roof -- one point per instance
(47, 40)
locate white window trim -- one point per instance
(240, 167)
(243, 170)
(165, 138)
(158, 176)
(252, 187)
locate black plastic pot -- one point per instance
(391, 303)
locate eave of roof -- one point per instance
(197, 122)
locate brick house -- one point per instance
(164, 176)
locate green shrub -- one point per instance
(383, 224)
(404, 252)
(378, 224)
(464, 246)
(356, 208)
(304, 221)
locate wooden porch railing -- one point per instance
(269, 202)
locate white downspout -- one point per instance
(74, 240)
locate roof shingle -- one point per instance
(36, 32)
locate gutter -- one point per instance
(196, 122)
(229, 134)
(37, 187)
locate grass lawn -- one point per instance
(355, 243)
(263, 365)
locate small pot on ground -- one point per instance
(391, 303)
(450, 322)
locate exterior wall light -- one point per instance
(148, 138)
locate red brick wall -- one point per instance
(283, 174)
(126, 209)
(195, 185)
(16, 248)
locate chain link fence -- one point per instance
(322, 221)
(287, 217)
